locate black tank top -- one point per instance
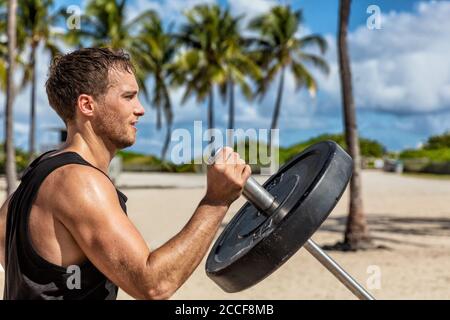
(27, 274)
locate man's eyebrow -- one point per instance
(130, 92)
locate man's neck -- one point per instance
(90, 147)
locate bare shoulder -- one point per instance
(77, 176)
(73, 187)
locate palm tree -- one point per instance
(200, 68)
(3, 48)
(279, 48)
(104, 24)
(357, 231)
(160, 48)
(239, 66)
(10, 166)
(35, 22)
(3, 45)
(214, 58)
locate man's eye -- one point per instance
(129, 97)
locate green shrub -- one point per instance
(21, 160)
(134, 161)
(436, 155)
(368, 147)
(438, 142)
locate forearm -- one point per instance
(175, 261)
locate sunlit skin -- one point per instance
(77, 214)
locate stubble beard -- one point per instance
(115, 130)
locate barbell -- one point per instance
(280, 217)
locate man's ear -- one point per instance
(86, 105)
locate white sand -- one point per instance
(409, 215)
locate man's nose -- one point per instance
(140, 111)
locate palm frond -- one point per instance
(313, 40)
(148, 16)
(303, 78)
(315, 60)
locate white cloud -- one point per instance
(402, 68)
(429, 124)
(248, 113)
(251, 8)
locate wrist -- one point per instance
(221, 205)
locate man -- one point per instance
(66, 215)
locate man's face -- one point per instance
(119, 110)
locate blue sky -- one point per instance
(401, 77)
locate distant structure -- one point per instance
(52, 146)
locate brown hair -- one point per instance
(84, 71)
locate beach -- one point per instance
(408, 216)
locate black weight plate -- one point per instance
(252, 246)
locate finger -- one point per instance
(223, 155)
(246, 172)
(239, 167)
(234, 158)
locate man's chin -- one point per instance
(125, 144)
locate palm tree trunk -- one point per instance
(357, 232)
(231, 113)
(276, 112)
(11, 175)
(169, 119)
(33, 103)
(211, 112)
(210, 123)
(166, 142)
